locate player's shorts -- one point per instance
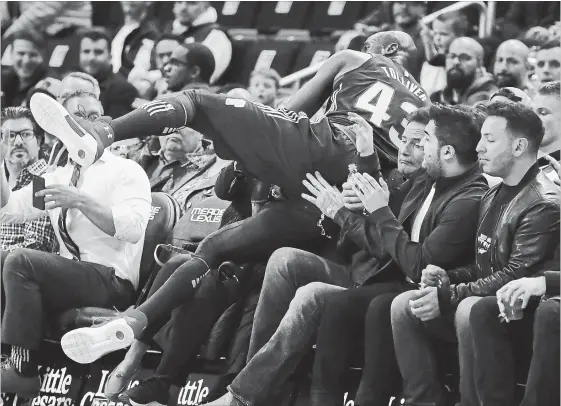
(275, 146)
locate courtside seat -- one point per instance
(328, 16)
(163, 217)
(276, 15)
(313, 53)
(236, 14)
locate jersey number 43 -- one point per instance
(377, 100)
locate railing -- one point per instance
(486, 20)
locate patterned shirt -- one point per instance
(38, 234)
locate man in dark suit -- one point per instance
(117, 94)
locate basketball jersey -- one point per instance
(383, 93)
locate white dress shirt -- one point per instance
(114, 182)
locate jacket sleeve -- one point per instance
(442, 246)
(354, 230)
(552, 283)
(535, 239)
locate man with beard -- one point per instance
(511, 66)
(466, 79)
(23, 139)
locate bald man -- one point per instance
(467, 82)
(511, 65)
(278, 147)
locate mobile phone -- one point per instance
(38, 185)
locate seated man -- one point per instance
(547, 105)
(298, 284)
(23, 138)
(517, 231)
(99, 218)
(435, 225)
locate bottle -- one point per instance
(352, 171)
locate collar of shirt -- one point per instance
(209, 16)
(37, 168)
(443, 183)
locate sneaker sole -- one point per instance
(88, 344)
(54, 119)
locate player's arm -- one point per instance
(310, 97)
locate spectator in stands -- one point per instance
(75, 81)
(548, 61)
(83, 104)
(518, 230)
(27, 69)
(51, 18)
(189, 67)
(520, 16)
(466, 79)
(407, 17)
(412, 243)
(101, 246)
(132, 45)
(445, 29)
(511, 66)
(298, 284)
(195, 21)
(547, 105)
(117, 95)
(264, 86)
(22, 138)
(511, 94)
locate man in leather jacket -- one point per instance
(518, 231)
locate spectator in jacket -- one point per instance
(100, 248)
(195, 21)
(51, 17)
(548, 60)
(116, 94)
(264, 86)
(412, 243)
(132, 45)
(511, 66)
(496, 343)
(445, 28)
(374, 265)
(517, 232)
(190, 67)
(27, 69)
(466, 79)
(547, 105)
(23, 138)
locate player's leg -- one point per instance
(254, 239)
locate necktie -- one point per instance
(68, 242)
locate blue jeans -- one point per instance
(288, 314)
(414, 349)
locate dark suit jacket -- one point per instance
(116, 95)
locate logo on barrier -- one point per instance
(207, 215)
(193, 393)
(153, 211)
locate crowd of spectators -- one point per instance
(495, 121)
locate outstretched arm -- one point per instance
(310, 97)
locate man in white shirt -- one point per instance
(101, 242)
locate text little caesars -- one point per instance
(412, 87)
(55, 384)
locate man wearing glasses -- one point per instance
(467, 82)
(23, 139)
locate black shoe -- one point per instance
(153, 391)
(13, 382)
(221, 388)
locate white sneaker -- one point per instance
(54, 119)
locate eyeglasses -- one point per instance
(25, 135)
(461, 57)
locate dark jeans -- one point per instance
(40, 284)
(414, 343)
(350, 317)
(295, 288)
(499, 347)
(254, 239)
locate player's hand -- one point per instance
(364, 134)
(555, 165)
(373, 195)
(523, 288)
(352, 201)
(324, 196)
(425, 306)
(63, 196)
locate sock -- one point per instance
(24, 361)
(158, 117)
